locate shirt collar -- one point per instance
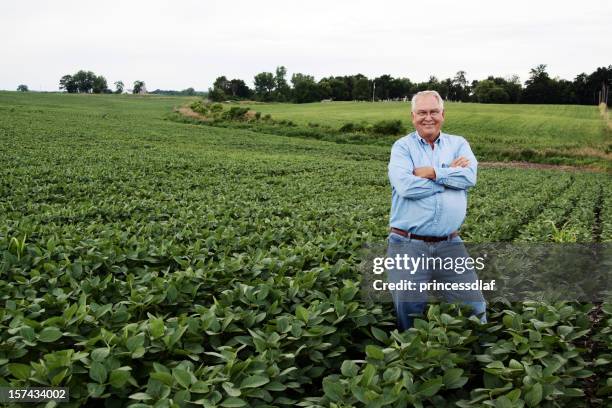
(423, 141)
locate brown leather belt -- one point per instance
(424, 237)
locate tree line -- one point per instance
(539, 88)
(88, 82)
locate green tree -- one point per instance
(540, 88)
(22, 88)
(84, 81)
(139, 87)
(487, 91)
(361, 89)
(513, 88)
(400, 88)
(305, 88)
(68, 84)
(264, 86)
(216, 95)
(383, 86)
(239, 89)
(459, 89)
(99, 84)
(119, 86)
(188, 92)
(282, 92)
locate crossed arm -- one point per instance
(421, 182)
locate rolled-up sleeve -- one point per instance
(460, 178)
(405, 183)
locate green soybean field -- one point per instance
(146, 262)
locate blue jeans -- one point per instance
(412, 302)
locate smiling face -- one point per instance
(427, 116)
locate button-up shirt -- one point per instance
(424, 206)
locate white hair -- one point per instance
(435, 94)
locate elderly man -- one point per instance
(430, 173)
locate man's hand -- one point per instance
(460, 162)
(425, 172)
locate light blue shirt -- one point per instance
(423, 206)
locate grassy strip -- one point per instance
(346, 134)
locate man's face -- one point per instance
(427, 117)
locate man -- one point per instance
(430, 173)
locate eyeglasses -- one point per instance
(423, 113)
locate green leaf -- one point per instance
(230, 390)
(374, 352)
(514, 395)
(135, 342)
(380, 335)
(157, 327)
(349, 369)
(301, 313)
(333, 389)
(166, 378)
(95, 390)
(20, 371)
(503, 402)
(534, 395)
(200, 387)
(368, 375)
(49, 334)
(573, 392)
(430, 388)
(453, 378)
(183, 377)
(100, 354)
(119, 377)
(233, 402)
(28, 333)
(254, 381)
(141, 396)
(97, 372)
(392, 374)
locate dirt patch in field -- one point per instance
(185, 111)
(538, 166)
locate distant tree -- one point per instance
(513, 88)
(22, 88)
(84, 81)
(361, 89)
(239, 89)
(601, 77)
(305, 88)
(459, 89)
(188, 92)
(68, 84)
(445, 87)
(400, 88)
(383, 86)
(99, 84)
(220, 90)
(216, 95)
(584, 95)
(264, 86)
(540, 88)
(282, 92)
(139, 87)
(119, 86)
(487, 91)
(223, 84)
(339, 89)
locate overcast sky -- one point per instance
(179, 44)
